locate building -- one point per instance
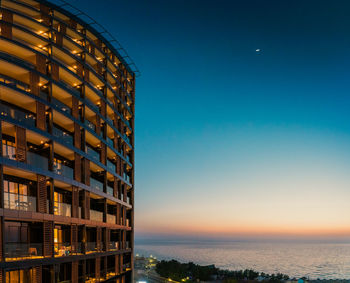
(67, 155)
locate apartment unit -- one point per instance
(67, 155)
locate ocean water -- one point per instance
(297, 259)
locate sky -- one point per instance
(231, 142)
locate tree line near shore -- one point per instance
(190, 272)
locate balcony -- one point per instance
(18, 251)
(90, 125)
(19, 202)
(93, 153)
(110, 190)
(62, 249)
(113, 246)
(14, 83)
(126, 267)
(110, 272)
(91, 247)
(96, 215)
(126, 177)
(110, 142)
(37, 160)
(61, 105)
(62, 209)
(63, 170)
(111, 218)
(96, 184)
(111, 166)
(21, 116)
(65, 137)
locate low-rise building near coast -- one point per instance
(67, 156)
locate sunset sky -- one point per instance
(230, 141)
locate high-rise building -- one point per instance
(67, 156)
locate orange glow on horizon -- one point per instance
(248, 231)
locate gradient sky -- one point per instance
(229, 141)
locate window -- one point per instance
(8, 149)
(16, 196)
(15, 276)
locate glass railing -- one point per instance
(90, 125)
(127, 223)
(126, 177)
(128, 200)
(127, 245)
(110, 142)
(126, 138)
(63, 170)
(37, 160)
(15, 251)
(61, 208)
(14, 83)
(126, 266)
(111, 218)
(113, 246)
(91, 247)
(110, 272)
(110, 190)
(96, 184)
(19, 202)
(62, 249)
(61, 105)
(64, 137)
(110, 166)
(25, 118)
(96, 215)
(92, 153)
(109, 120)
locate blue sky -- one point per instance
(250, 142)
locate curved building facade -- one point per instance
(67, 155)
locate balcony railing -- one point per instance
(96, 184)
(126, 177)
(110, 166)
(37, 160)
(113, 246)
(92, 153)
(110, 142)
(110, 272)
(63, 209)
(15, 251)
(14, 83)
(110, 190)
(19, 202)
(64, 137)
(63, 170)
(92, 247)
(111, 218)
(90, 125)
(25, 118)
(62, 249)
(61, 105)
(96, 215)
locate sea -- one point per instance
(314, 260)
